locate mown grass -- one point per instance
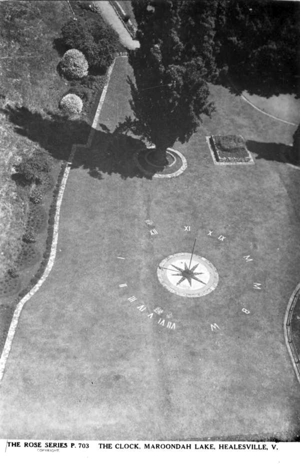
(141, 380)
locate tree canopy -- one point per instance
(258, 42)
(170, 93)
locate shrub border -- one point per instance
(52, 236)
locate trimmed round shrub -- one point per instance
(95, 38)
(71, 104)
(74, 64)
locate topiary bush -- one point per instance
(96, 39)
(71, 104)
(74, 64)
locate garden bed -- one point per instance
(229, 150)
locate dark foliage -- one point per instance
(9, 285)
(30, 169)
(170, 93)
(29, 237)
(198, 34)
(28, 256)
(94, 38)
(37, 218)
(36, 195)
(257, 42)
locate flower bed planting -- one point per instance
(229, 149)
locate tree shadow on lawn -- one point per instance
(273, 152)
(110, 152)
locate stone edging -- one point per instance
(237, 163)
(170, 175)
(287, 330)
(19, 307)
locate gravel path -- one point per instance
(108, 13)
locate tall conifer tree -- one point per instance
(170, 93)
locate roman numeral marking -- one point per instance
(123, 285)
(221, 238)
(150, 315)
(171, 325)
(187, 228)
(248, 258)
(210, 233)
(141, 308)
(246, 311)
(158, 310)
(149, 222)
(132, 299)
(214, 327)
(257, 286)
(153, 232)
(161, 322)
(121, 258)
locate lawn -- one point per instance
(92, 359)
(30, 122)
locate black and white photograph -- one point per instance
(149, 230)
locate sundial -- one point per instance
(187, 274)
(188, 264)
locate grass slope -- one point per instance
(88, 364)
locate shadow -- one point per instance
(59, 45)
(274, 152)
(110, 152)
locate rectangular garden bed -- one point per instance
(229, 150)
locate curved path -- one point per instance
(282, 103)
(109, 14)
(288, 330)
(247, 98)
